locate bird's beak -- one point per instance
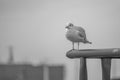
(66, 27)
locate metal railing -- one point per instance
(104, 54)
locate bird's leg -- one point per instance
(78, 45)
(73, 45)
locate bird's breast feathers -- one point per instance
(74, 36)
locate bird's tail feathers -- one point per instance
(88, 42)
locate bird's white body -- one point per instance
(76, 34)
(73, 36)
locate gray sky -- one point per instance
(36, 28)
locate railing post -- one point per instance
(83, 69)
(106, 68)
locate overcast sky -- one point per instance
(36, 28)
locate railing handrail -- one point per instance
(94, 53)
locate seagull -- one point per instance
(76, 34)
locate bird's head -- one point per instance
(70, 25)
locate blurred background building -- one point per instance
(13, 71)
